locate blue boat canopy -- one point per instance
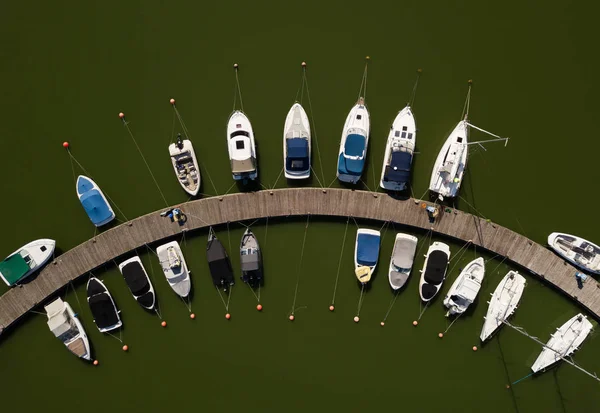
(96, 207)
(84, 185)
(355, 145)
(399, 168)
(297, 155)
(367, 250)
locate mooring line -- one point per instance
(414, 89)
(360, 301)
(237, 82)
(126, 124)
(299, 267)
(337, 275)
(314, 126)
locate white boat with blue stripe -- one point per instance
(94, 202)
(296, 144)
(354, 143)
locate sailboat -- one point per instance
(354, 144)
(366, 254)
(175, 268)
(567, 339)
(65, 326)
(93, 201)
(26, 260)
(185, 165)
(451, 162)
(503, 304)
(582, 253)
(296, 144)
(241, 147)
(465, 288)
(397, 161)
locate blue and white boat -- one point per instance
(296, 144)
(354, 143)
(399, 151)
(366, 253)
(94, 202)
(241, 147)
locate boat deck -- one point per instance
(117, 241)
(77, 347)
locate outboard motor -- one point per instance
(179, 142)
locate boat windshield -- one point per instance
(30, 261)
(460, 301)
(240, 133)
(70, 334)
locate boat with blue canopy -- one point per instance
(94, 202)
(366, 253)
(296, 143)
(354, 143)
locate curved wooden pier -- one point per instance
(201, 213)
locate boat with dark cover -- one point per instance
(138, 282)
(434, 270)
(102, 305)
(218, 263)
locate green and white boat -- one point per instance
(26, 260)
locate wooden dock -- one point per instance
(202, 213)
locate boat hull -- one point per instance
(296, 130)
(573, 257)
(40, 251)
(366, 253)
(251, 259)
(465, 288)
(178, 278)
(434, 270)
(401, 260)
(354, 144)
(106, 315)
(94, 202)
(446, 177)
(241, 147)
(146, 296)
(504, 302)
(185, 175)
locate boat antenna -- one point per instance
(465, 113)
(414, 89)
(569, 361)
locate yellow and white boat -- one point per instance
(366, 253)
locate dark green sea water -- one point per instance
(68, 69)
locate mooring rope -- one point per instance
(337, 275)
(299, 267)
(362, 91)
(414, 89)
(314, 126)
(465, 112)
(239, 89)
(126, 124)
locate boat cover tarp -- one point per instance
(146, 299)
(218, 262)
(436, 267)
(354, 145)
(350, 166)
(250, 262)
(245, 165)
(95, 206)
(136, 278)
(103, 310)
(367, 251)
(297, 154)
(404, 253)
(399, 168)
(94, 287)
(13, 268)
(398, 279)
(428, 291)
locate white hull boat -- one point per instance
(401, 262)
(451, 162)
(397, 162)
(94, 202)
(185, 165)
(354, 144)
(567, 339)
(434, 270)
(65, 326)
(102, 305)
(296, 144)
(576, 250)
(241, 147)
(138, 282)
(175, 268)
(26, 260)
(503, 303)
(366, 254)
(465, 288)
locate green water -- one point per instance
(70, 67)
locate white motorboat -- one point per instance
(567, 339)
(185, 165)
(94, 202)
(451, 162)
(576, 250)
(354, 144)
(138, 282)
(503, 303)
(241, 147)
(434, 270)
(26, 260)
(251, 259)
(465, 288)
(397, 162)
(65, 326)
(401, 261)
(102, 305)
(175, 268)
(366, 253)
(296, 144)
